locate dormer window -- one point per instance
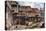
(13, 5)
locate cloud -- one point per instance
(32, 4)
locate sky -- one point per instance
(32, 4)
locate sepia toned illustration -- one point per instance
(21, 15)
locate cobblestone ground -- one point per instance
(21, 27)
